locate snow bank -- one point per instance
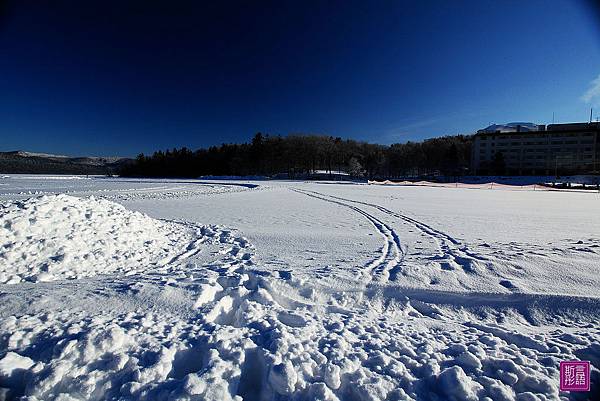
(496, 182)
(57, 177)
(234, 177)
(63, 237)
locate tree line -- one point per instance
(299, 156)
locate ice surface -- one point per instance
(290, 290)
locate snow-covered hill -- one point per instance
(21, 162)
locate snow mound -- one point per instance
(63, 237)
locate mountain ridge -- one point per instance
(23, 162)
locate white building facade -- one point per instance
(529, 149)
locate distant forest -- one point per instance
(299, 156)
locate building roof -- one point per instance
(510, 127)
(530, 127)
(573, 126)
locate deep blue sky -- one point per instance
(123, 77)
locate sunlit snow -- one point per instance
(265, 290)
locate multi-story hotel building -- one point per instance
(529, 149)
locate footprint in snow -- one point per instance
(508, 284)
(291, 319)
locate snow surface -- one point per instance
(60, 237)
(290, 290)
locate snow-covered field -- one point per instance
(265, 290)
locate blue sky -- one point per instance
(119, 78)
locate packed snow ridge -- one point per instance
(64, 237)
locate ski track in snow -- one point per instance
(452, 253)
(385, 270)
(208, 324)
(389, 263)
(497, 266)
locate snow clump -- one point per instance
(63, 237)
